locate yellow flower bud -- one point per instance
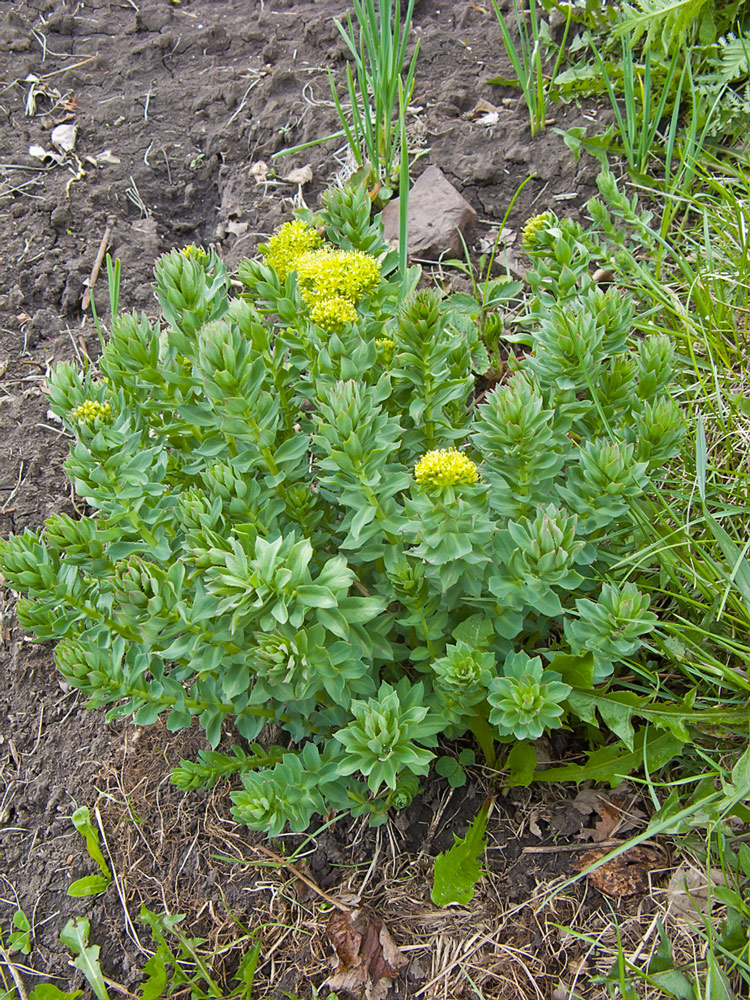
(198, 254)
(90, 410)
(445, 467)
(533, 226)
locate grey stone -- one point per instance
(70, 304)
(437, 214)
(61, 217)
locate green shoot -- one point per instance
(377, 106)
(90, 885)
(528, 59)
(639, 119)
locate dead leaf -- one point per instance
(688, 893)
(481, 109)
(106, 156)
(237, 228)
(368, 958)
(64, 137)
(626, 875)
(300, 175)
(487, 244)
(616, 814)
(587, 801)
(259, 171)
(534, 824)
(609, 822)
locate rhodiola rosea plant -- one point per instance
(301, 516)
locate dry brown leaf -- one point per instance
(300, 175)
(688, 893)
(480, 109)
(258, 171)
(625, 875)
(610, 819)
(614, 815)
(368, 958)
(534, 824)
(587, 801)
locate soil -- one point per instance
(176, 104)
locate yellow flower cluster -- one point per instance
(333, 313)
(348, 273)
(292, 241)
(192, 252)
(91, 409)
(445, 467)
(534, 226)
(386, 349)
(331, 281)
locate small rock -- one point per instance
(61, 217)
(214, 39)
(154, 19)
(149, 243)
(72, 294)
(44, 322)
(270, 53)
(143, 295)
(20, 45)
(61, 23)
(438, 213)
(16, 298)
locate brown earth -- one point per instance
(176, 104)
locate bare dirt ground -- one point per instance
(176, 105)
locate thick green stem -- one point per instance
(484, 735)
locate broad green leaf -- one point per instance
(476, 631)
(449, 768)
(19, 939)
(521, 762)
(457, 871)
(614, 763)
(578, 671)
(246, 972)
(666, 22)
(153, 987)
(675, 983)
(75, 935)
(47, 991)
(464, 303)
(89, 885)
(718, 986)
(82, 822)
(617, 709)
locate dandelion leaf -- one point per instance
(666, 22)
(457, 871)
